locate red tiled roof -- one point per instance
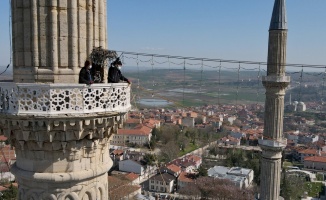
(132, 176)
(174, 168)
(186, 177)
(316, 159)
(117, 152)
(132, 132)
(3, 138)
(132, 121)
(193, 157)
(3, 188)
(7, 154)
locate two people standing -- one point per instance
(114, 76)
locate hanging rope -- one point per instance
(258, 84)
(184, 81)
(201, 77)
(219, 84)
(323, 87)
(153, 83)
(300, 84)
(10, 44)
(222, 60)
(237, 95)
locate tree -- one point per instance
(202, 171)
(149, 159)
(10, 194)
(213, 188)
(170, 151)
(292, 186)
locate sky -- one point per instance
(219, 29)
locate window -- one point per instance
(152, 187)
(152, 181)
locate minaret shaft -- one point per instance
(275, 83)
(58, 36)
(277, 52)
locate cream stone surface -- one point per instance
(61, 156)
(53, 38)
(275, 83)
(60, 129)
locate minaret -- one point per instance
(275, 83)
(60, 129)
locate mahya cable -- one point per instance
(223, 60)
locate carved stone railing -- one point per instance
(57, 99)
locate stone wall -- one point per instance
(61, 157)
(53, 38)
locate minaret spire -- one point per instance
(279, 19)
(275, 83)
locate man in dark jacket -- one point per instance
(85, 76)
(115, 75)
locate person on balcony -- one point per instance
(85, 76)
(115, 75)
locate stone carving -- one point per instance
(63, 99)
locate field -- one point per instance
(191, 88)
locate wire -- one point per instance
(10, 42)
(222, 60)
(5, 70)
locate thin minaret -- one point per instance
(275, 83)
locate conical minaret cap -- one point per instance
(279, 19)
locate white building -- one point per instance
(138, 136)
(188, 121)
(241, 177)
(162, 183)
(132, 166)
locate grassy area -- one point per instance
(190, 147)
(313, 189)
(287, 164)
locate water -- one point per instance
(154, 102)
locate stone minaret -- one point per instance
(53, 38)
(275, 83)
(60, 129)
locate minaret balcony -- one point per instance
(281, 143)
(63, 99)
(276, 79)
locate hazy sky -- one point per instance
(226, 29)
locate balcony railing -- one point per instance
(55, 99)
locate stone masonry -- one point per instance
(60, 130)
(53, 38)
(275, 83)
(61, 157)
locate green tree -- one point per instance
(10, 194)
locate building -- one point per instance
(241, 177)
(189, 163)
(58, 127)
(140, 135)
(315, 163)
(121, 188)
(171, 169)
(188, 122)
(185, 179)
(229, 140)
(302, 154)
(135, 166)
(162, 182)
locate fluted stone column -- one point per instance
(53, 38)
(275, 83)
(60, 132)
